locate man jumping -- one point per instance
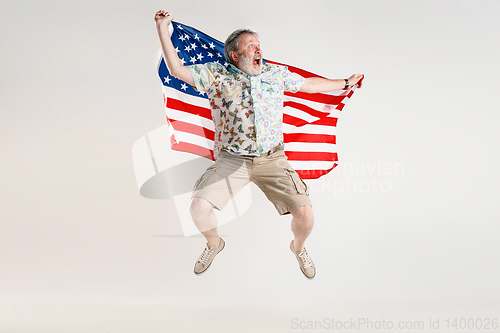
(246, 100)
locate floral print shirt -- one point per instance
(247, 110)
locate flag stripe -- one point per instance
(327, 108)
(175, 104)
(299, 114)
(306, 137)
(327, 121)
(320, 98)
(193, 129)
(299, 71)
(313, 129)
(189, 118)
(312, 147)
(305, 108)
(171, 92)
(311, 155)
(194, 149)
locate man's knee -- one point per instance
(200, 207)
(303, 213)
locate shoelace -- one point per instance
(205, 255)
(306, 260)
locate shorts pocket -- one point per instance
(300, 186)
(204, 178)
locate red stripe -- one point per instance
(313, 174)
(291, 120)
(310, 156)
(192, 129)
(328, 121)
(320, 98)
(292, 69)
(303, 137)
(176, 104)
(194, 149)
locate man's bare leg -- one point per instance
(302, 224)
(205, 220)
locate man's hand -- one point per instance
(354, 78)
(174, 64)
(163, 18)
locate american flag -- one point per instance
(309, 120)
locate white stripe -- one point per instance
(313, 105)
(308, 146)
(299, 114)
(190, 118)
(334, 114)
(186, 98)
(329, 109)
(194, 139)
(311, 129)
(311, 165)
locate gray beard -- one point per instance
(245, 65)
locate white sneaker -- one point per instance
(305, 262)
(206, 258)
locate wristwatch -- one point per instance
(346, 84)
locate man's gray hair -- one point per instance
(233, 42)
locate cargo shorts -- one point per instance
(270, 171)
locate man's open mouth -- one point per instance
(257, 60)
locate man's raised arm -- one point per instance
(319, 85)
(172, 60)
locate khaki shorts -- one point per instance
(271, 172)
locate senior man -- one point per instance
(246, 100)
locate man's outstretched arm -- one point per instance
(172, 60)
(319, 85)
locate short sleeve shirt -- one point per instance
(247, 110)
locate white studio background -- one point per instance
(406, 227)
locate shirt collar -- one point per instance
(233, 70)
